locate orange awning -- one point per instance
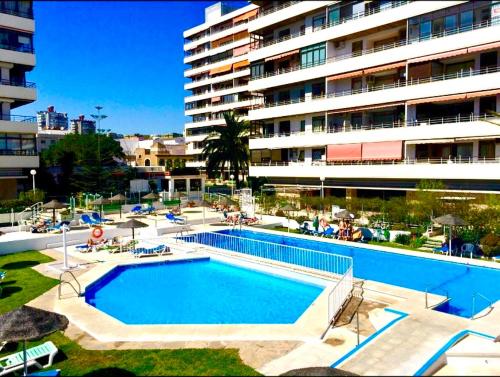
(343, 152)
(443, 55)
(245, 16)
(218, 42)
(241, 35)
(341, 76)
(237, 51)
(364, 108)
(384, 67)
(484, 93)
(224, 68)
(385, 150)
(215, 99)
(488, 46)
(437, 99)
(282, 55)
(243, 63)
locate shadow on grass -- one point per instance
(20, 265)
(9, 291)
(105, 372)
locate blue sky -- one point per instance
(126, 56)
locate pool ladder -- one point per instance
(490, 304)
(427, 306)
(61, 282)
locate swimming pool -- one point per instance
(200, 291)
(460, 281)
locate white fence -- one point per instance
(341, 266)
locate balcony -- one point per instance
(214, 80)
(440, 85)
(18, 159)
(18, 124)
(442, 169)
(385, 54)
(22, 91)
(219, 92)
(457, 127)
(219, 106)
(14, 10)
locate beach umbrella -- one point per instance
(28, 323)
(287, 208)
(318, 371)
(450, 220)
(118, 198)
(53, 205)
(151, 195)
(345, 214)
(132, 224)
(225, 200)
(100, 202)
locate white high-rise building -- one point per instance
(375, 95)
(216, 52)
(18, 152)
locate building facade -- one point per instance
(83, 126)
(356, 96)
(46, 138)
(51, 120)
(18, 153)
(216, 52)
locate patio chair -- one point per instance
(99, 219)
(177, 220)
(468, 248)
(328, 232)
(156, 250)
(86, 220)
(15, 362)
(444, 249)
(304, 228)
(136, 210)
(148, 210)
(58, 227)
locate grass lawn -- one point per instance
(22, 284)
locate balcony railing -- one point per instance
(406, 161)
(13, 12)
(10, 152)
(396, 84)
(17, 118)
(384, 47)
(355, 16)
(377, 126)
(19, 48)
(25, 84)
(217, 90)
(271, 10)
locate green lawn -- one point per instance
(22, 284)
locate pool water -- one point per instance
(459, 280)
(199, 292)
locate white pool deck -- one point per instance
(401, 349)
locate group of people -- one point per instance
(345, 230)
(239, 218)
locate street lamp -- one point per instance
(33, 173)
(232, 184)
(98, 117)
(322, 179)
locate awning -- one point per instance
(363, 108)
(430, 141)
(384, 67)
(483, 93)
(343, 152)
(345, 75)
(275, 57)
(218, 42)
(215, 99)
(385, 150)
(245, 16)
(488, 46)
(224, 68)
(241, 50)
(243, 63)
(443, 55)
(437, 99)
(241, 35)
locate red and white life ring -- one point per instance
(97, 233)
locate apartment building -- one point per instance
(51, 119)
(18, 153)
(216, 52)
(357, 96)
(82, 126)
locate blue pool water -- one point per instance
(199, 292)
(461, 281)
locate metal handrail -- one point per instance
(427, 306)
(490, 303)
(18, 118)
(25, 84)
(78, 292)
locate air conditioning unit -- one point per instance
(339, 44)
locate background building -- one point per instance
(371, 97)
(18, 153)
(46, 138)
(83, 126)
(51, 120)
(216, 52)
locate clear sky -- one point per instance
(126, 56)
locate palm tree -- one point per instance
(228, 144)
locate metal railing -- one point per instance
(25, 84)
(29, 214)
(339, 265)
(385, 47)
(61, 282)
(396, 84)
(271, 10)
(490, 303)
(18, 152)
(18, 118)
(13, 12)
(18, 48)
(427, 306)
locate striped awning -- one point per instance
(442, 55)
(455, 97)
(275, 57)
(346, 75)
(488, 46)
(384, 150)
(385, 67)
(241, 64)
(343, 152)
(364, 108)
(245, 16)
(221, 69)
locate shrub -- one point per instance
(403, 239)
(490, 245)
(301, 219)
(419, 242)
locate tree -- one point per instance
(428, 203)
(228, 145)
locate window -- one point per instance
(318, 89)
(302, 126)
(356, 120)
(450, 22)
(268, 129)
(357, 48)
(318, 22)
(487, 149)
(312, 55)
(284, 33)
(285, 127)
(318, 124)
(15, 144)
(466, 18)
(284, 96)
(333, 16)
(257, 70)
(425, 29)
(317, 154)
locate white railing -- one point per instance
(29, 214)
(339, 265)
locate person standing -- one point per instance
(316, 222)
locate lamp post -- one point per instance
(33, 173)
(99, 117)
(232, 184)
(322, 179)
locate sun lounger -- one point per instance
(15, 362)
(99, 219)
(86, 220)
(136, 210)
(177, 220)
(157, 250)
(58, 227)
(328, 232)
(46, 373)
(441, 250)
